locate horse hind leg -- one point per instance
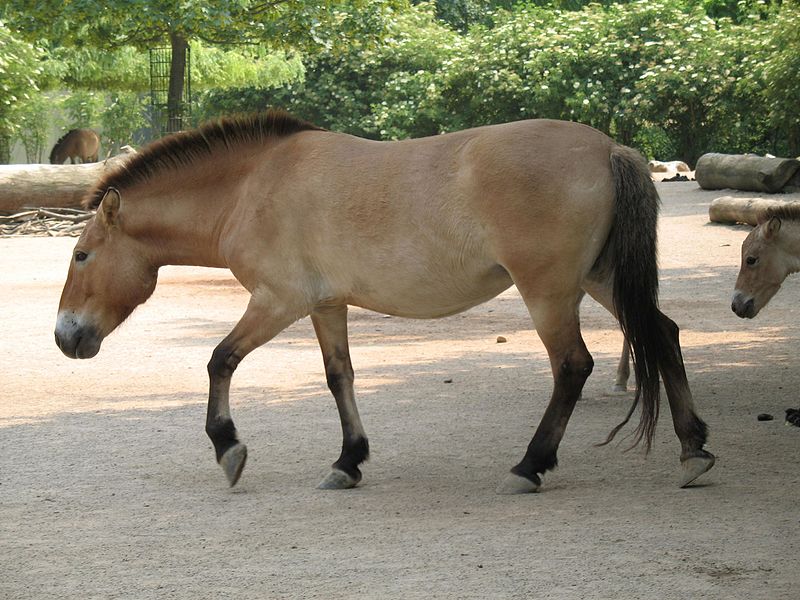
(623, 371)
(690, 429)
(330, 325)
(556, 321)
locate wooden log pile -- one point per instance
(50, 222)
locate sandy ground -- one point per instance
(109, 488)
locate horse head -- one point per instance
(764, 267)
(109, 276)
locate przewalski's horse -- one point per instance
(770, 253)
(77, 145)
(311, 221)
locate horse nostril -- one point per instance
(58, 340)
(733, 306)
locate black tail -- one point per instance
(631, 255)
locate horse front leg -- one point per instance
(260, 323)
(330, 325)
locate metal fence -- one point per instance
(166, 118)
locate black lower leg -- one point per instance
(354, 452)
(223, 435)
(690, 429)
(355, 447)
(541, 454)
(219, 425)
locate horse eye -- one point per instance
(751, 260)
(80, 256)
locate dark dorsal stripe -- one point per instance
(181, 149)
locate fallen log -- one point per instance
(746, 172)
(53, 186)
(728, 209)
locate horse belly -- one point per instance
(437, 293)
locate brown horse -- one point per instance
(770, 253)
(77, 145)
(311, 221)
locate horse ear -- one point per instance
(772, 228)
(109, 207)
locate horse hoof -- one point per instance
(514, 484)
(616, 392)
(695, 466)
(337, 480)
(232, 462)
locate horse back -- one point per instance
(444, 217)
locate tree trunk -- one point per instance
(5, 148)
(177, 76)
(51, 186)
(794, 140)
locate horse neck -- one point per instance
(790, 242)
(179, 227)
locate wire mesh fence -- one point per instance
(168, 116)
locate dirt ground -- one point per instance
(109, 488)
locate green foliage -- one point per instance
(293, 24)
(660, 74)
(34, 126)
(98, 45)
(20, 75)
(736, 10)
(371, 91)
(463, 14)
(215, 68)
(95, 69)
(657, 74)
(122, 121)
(83, 109)
(778, 70)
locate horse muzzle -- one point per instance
(77, 340)
(743, 306)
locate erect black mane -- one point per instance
(181, 149)
(788, 212)
(58, 143)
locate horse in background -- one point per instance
(77, 145)
(770, 253)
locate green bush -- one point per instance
(83, 109)
(20, 76)
(660, 75)
(34, 126)
(123, 121)
(779, 61)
